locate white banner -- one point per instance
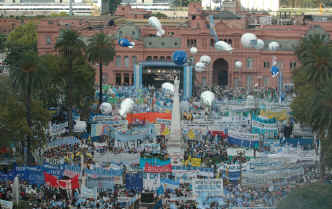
(6, 204)
(88, 193)
(253, 208)
(151, 181)
(152, 148)
(57, 129)
(214, 186)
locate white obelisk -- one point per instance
(175, 146)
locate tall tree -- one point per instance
(113, 5)
(101, 51)
(24, 72)
(312, 105)
(71, 48)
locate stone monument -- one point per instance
(175, 145)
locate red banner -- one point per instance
(52, 181)
(157, 169)
(150, 117)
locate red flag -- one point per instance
(64, 184)
(74, 182)
(50, 180)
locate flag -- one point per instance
(160, 190)
(75, 183)
(50, 180)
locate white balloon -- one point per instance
(274, 46)
(207, 97)
(193, 50)
(260, 44)
(160, 33)
(154, 22)
(248, 40)
(238, 64)
(205, 59)
(110, 91)
(105, 108)
(168, 87)
(200, 67)
(126, 106)
(223, 46)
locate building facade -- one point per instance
(47, 7)
(183, 34)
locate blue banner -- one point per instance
(134, 181)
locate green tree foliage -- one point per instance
(13, 125)
(313, 86)
(25, 73)
(101, 51)
(113, 5)
(3, 39)
(183, 3)
(24, 36)
(71, 48)
(317, 196)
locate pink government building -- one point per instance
(152, 54)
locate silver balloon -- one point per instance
(238, 64)
(193, 50)
(126, 106)
(260, 44)
(154, 22)
(249, 40)
(223, 46)
(200, 67)
(205, 59)
(168, 87)
(105, 108)
(207, 98)
(274, 46)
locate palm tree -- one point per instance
(70, 47)
(101, 51)
(315, 56)
(313, 102)
(27, 77)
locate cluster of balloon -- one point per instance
(126, 106)
(169, 87)
(275, 68)
(179, 57)
(204, 61)
(223, 46)
(207, 98)
(154, 22)
(273, 46)
(123, 42)
(105, 108)
(238, 64)
(250, 40)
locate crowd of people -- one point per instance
(210, 148)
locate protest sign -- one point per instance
(134, 181)
(214, 186)
(6, 204)
(151, 181)
(152, 148)
(57, 129)
(89, 193)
